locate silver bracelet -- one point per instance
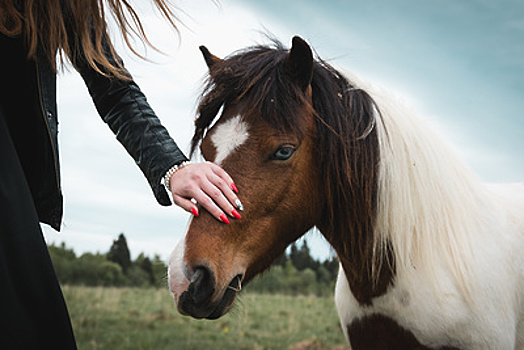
(171, 171)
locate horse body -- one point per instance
(430, 256)
(434, 309)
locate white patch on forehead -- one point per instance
(228, 136)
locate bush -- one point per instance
(97, 270)
(290, 281)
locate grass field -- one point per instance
(133, 318)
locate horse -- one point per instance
(430, 256)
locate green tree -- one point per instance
(331, 265)
(280, 261)
(136, 277)
(95, 270)
(145, 264)
(119, 253)
(301, 258)
(159, 272)
(308, 282)
(272, 281)
(63, 258)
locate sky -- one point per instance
(458, 63)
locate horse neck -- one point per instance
(359, 268)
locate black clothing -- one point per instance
(33, 314)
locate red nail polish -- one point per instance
(234, 187)
(224, 218)
(194, 211)
(236, 214)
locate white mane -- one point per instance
(430, 204)
(457, 243)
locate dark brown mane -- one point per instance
(348, 152)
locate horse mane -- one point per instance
(431, 205)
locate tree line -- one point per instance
(295, 272)
(114, 268)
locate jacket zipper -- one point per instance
(44, 115)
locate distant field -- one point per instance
(134, 318)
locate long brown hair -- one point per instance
(77, 29)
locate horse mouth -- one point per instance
(228, 298)
(208, 310)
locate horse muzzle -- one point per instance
(196, 291)
(197, 301)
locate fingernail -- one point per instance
(239, 204)
(224, 218)
(194, 211)
(236, 214)
(234, 187)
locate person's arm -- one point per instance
(123, 106)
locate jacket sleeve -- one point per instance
(123, 106)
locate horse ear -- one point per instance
(210, 59)
(299, 62)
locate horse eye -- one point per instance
(283, 152)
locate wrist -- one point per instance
(167, 177)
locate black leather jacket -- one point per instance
(28, 103)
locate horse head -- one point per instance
(270, 138)
(270, 160)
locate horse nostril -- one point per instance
(202, 285)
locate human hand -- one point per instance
(210, 186)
